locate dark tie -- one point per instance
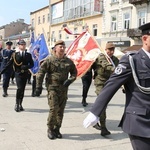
(22, 54)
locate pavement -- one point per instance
(27, 130)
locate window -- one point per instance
(53, 36)
(60, 36)
(75, 30)
(113, 23)
(126, 21)
(43, 18)
(39, 20)
(48, 38)
(48, 18)
(94, 29)
(32, 22)
(67, 36)
(141, 17)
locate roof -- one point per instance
(132, 48)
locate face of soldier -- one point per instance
(110, 51)
(22, 47)
(8, 47)
(60, 50)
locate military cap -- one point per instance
(59, 42)
(21, 42)
(9, 43)
(145, 29)
(110, 45)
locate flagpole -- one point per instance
(98, 45)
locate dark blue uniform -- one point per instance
(21, 65)
(136, 118)
(6, 55)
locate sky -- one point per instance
(11, 10)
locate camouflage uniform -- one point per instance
(57, 71)
(102, 71)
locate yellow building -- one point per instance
(40, 23)
(76, 14)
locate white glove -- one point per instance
(90, 120)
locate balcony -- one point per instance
(134, 33)
(138, 2)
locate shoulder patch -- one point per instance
(119, 69)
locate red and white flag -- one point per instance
(66, 29)
(83, 51)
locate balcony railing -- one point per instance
(138, 2)
(135, 32)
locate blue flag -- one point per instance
(39, 52)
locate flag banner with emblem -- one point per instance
(83, 51)
(39, 52)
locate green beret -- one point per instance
(59, 42)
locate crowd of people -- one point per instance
(108, 75)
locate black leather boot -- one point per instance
(84, 103)
(57, 133)
(104, 131)
(5, 94)
(51, 134)
(17, 108)
(20, 106)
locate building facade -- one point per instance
(76, 15)
(14, 31)
(40, 22)
(114, 21)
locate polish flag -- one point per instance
(83, 52)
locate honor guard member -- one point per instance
(102, 71)
(133, 72)
(1, 48)
(22, 61)
(60, 73)
(6, 55)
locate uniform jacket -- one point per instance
(57, 71)
(102, 71)
(6, 56)
(136, 117)
(20, 64)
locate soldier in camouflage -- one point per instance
(103, 68)
(57, 69)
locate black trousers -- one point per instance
(140, 143)
(86, 82)
(21, 80)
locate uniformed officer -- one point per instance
(134, 72)
(60, 73)
(103, 68)
(86, 82)
(6, 55)
(22, 61)
(0, 57)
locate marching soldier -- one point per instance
(102, 71)
(133, 72)
(6, 55)
(22, 61)
(57, 68)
